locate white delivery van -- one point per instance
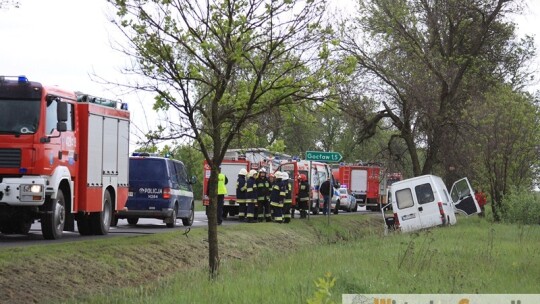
(423, 202)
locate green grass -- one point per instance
(474, 256)
(273, 263)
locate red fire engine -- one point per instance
(63, 157)
(364, 181)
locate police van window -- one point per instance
(404, 198)
(181, 171)
(424, 193)
(147, 169)
(51, 118)
(172, 172)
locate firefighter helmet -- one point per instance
(278, 174)
(262, 170)
(252, 173)
(243, 172)
(284, 175)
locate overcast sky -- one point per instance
(63, 42)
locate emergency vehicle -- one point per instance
(424, 201)
(63, 158)
(319, 173)
(234, 160)
(364, 182)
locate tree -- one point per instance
(506, 133)
(425, 59)
(219, 63)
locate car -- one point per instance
(347, 201)
(158, 188)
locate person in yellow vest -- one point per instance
(222, 191)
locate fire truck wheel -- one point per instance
(7, 228)
(23, 226)
(53, 220)
(189, 221)
(171, 222)
(83, 225)
(101, 221)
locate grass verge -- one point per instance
(270, 263)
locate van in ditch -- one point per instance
(424, 202)
(158, 188)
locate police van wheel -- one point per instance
(172, 220)
(53, 220)
(101, 221)
(189, 221)
(133, 220)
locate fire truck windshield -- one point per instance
(19, 116)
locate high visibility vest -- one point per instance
(221, 189)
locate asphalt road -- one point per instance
(144, 226)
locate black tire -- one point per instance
(83, 225)
(189, 221)
(172, 219)
(7, 228)
(101, 221)
(54, 218)
(114, 221)
(23, 226)
(133, 220)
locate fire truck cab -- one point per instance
(63, 158)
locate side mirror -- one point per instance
(193, 180)
(61, 111)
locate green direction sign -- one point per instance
(328, 157)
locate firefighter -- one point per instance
(222, 192)
(251, 196)
(303, 195)
(288, 197)
(271, 181)
(263, 191)
(241, 193)
(277, 196)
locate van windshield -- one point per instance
(147, 169)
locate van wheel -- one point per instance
(54, 218)
(172, 219)
(189, 221)
(101, 221)
(133, 220)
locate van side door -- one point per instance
(463, 197)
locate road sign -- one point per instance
(326, 157)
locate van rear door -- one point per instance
(463, 197)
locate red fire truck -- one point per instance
(63, 158)
(364, 181)
(236, 159)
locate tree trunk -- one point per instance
(213, 250)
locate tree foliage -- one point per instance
(219, 63)
(424, 60)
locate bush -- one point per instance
(522, 207)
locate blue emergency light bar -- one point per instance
(20, 79)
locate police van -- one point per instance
(424, 201)
(158, 188)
